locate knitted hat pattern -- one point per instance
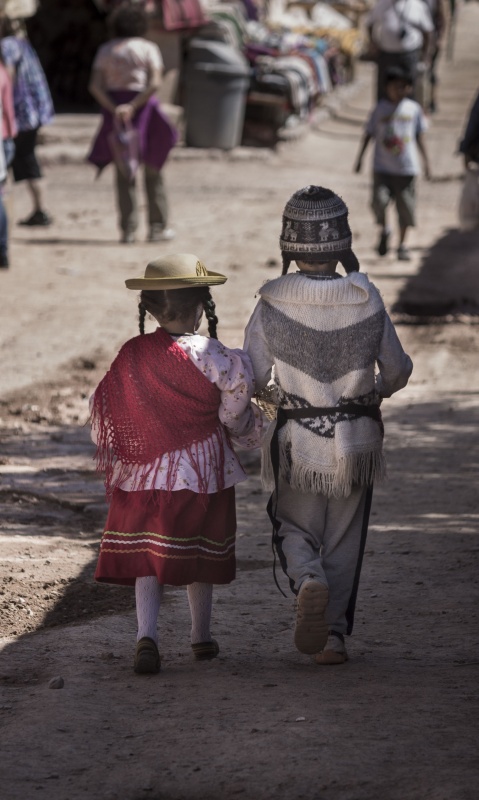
(315, 229)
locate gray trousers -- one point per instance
(128, 204)
(320, 537)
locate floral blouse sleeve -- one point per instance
(231, 371)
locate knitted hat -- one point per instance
(177, 271)
(316, 229)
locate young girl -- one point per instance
(163, 418)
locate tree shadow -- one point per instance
(437, 479)
(447, 282)
(56, 240)
(53, 510)
(432, 463)
(421, 591)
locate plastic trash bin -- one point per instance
(217, 80)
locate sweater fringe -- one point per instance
(353, 469)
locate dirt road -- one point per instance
(262, 722)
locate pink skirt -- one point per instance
(180, 537)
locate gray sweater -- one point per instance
(326, 342)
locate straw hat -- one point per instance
(178, 271)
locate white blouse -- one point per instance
(128, 64)
(231, 371)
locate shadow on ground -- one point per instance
(412, 652)
(50, 514)
(447, 282)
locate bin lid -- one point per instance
(226, 71)
(210, 52)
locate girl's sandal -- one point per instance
(205, 651)
(147, 657)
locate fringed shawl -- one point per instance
(324, 337)
(153, 402)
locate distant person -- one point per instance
(126, 75)
(4, 263)
(469, 145)
(9, 123)
(438, 16)
(9, 131)
(334, 354)
(397, 125)
(163, 418)
(33, 108)
(400, 33)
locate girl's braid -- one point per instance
(210, 309)
(141, 316)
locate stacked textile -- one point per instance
(304, 72)
(295, 58)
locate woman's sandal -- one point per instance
(147, 657)
(205, 651)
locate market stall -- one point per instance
(298, 53)
(290, 55)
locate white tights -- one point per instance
(149, 593)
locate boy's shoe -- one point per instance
(403, 253)
(334, 651)
(40, 218)
(127, 237)
(311, 631)
(383, 244)
(147, 657)
(205, 651)
(4, 262)
(158, 233)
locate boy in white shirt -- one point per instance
(397, 125)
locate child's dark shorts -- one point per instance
(399, 188)
(25, 165)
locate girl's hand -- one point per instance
(124, 113)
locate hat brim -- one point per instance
(152, 284)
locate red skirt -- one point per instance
(180, 537)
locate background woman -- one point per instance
(9, 131)
(125, 78)
(33, 108)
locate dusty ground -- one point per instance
(399, 721)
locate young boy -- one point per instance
(397, 125)
(324, 335)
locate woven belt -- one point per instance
(353, 409)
